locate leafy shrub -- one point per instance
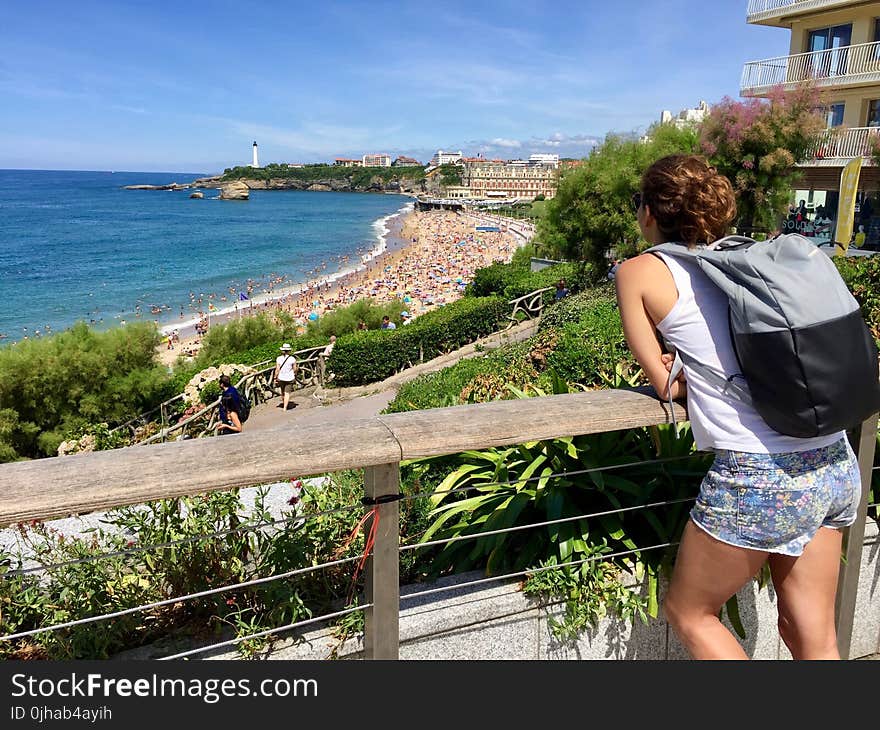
(438, 389)
(589, 351)
(572, 308)
(366, 357)
(59, 384)
(540, 481)
(862, 276)
(494, 279)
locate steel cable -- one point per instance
(260, 634)
(178, 599)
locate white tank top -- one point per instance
(698, 326)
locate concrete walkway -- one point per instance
(337, 405)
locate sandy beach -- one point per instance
(427, 260)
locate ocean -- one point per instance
(76, 246)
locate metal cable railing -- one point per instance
(177, 599)
(533, 571)
(302, 571)
(388, 441)
(267, 632)
(140, 549)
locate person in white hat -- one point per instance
(285, 374)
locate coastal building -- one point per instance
(445, 158)
(347, 162)
(488, 179)
(256, 162)
(544, 159)
(686, 117)
(402, 161)
(835, 46)
(379, 160)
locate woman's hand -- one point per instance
(667, 361)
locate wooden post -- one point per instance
(853, 541)
(381, 628)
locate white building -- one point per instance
(686, 116)
(541, 158)
(256, 162)
(445, 158)
(380, 160)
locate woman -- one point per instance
(767, 497)
(230, 406)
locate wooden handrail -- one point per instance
(60, 486)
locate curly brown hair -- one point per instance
(691, 201)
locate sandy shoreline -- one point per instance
(425, 261)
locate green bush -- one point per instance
(59, 384)
(439, 389)
(862, 276)
(590, 350)
(494, 279)
(366, 357)
(574, 307)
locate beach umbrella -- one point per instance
(313, 316)
(407, 299)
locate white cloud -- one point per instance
(501, 142)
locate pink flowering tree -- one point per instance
(757, 144)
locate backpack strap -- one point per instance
(726, 386)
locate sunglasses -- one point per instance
(636, 201)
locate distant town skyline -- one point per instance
(124, 86)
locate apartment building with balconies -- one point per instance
(510, 179)
(834, 45)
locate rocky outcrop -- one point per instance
(234, 191)
(170, 186)
(197, 195)
(403, 186)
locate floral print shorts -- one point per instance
(777, 502)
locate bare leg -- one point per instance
(806, 588)
(707, 573)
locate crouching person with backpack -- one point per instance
(231, 408)
(785, 480)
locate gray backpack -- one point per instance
(808, 361)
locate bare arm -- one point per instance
(632, 280)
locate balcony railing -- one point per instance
(760, 10)
(859, 64)
(844, 144)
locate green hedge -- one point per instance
(367, 357)
(468, 380)
(574, 307)
(53, 386)
(862, 276)
(588, 351)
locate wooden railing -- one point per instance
(60, 486)
(528, 306)
(833, 67)
(255, 387)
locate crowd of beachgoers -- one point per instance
(438, 253)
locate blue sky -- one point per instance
(189, 86)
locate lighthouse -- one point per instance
(256, 160)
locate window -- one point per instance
(834, 115)
(873, 113)
(828, 49)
